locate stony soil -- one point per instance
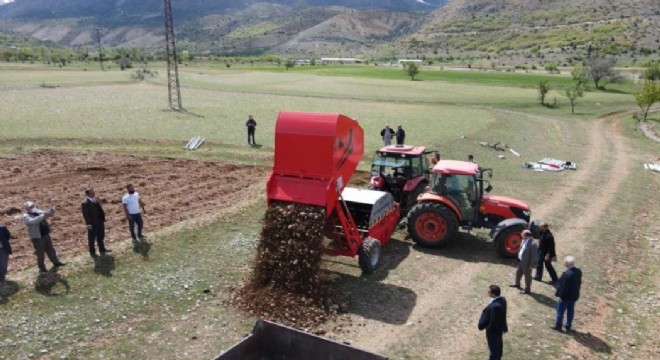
(173, 190)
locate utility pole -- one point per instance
(174, 91)
(98, 37)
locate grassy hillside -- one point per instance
(510, 32)
(541, 30)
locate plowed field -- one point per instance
(173, 190)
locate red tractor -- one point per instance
(402, 171)
(458, 197)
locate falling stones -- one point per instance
(286, 284)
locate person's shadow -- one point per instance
(8, 288)
(592, 342)
(544, 299)
(51, 283)
(257, 146)
(142, 247)
(104, 265)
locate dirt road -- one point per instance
(446, 278)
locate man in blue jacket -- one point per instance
(493, 320)
(568, 292)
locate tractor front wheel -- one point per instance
(369, 255)
(432, 224)
(508, 241)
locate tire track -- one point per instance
(597, 322)
(451, 290)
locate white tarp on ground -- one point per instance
(550, 164)
(652, 167)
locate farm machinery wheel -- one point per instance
(369, 255)
(507, 242)
(411, 200)
(432, 224)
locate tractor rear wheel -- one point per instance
(432, 224)
(369, 255)
(508, 241)
(411, 199)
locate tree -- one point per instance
(602, 69)
(551, 68)
(574, 92)
(649, 95)
(652, 71)
(411, 68)
(185, 55)
(543, 88)
(579, 75)
(289, 64)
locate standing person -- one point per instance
(493, 320)
(526, 261)
(251, 128)
(94, 216)
(387, 134)
(471, 158)
(546, 253)
(568, 292)
(400, 135)
(5, 251)
(132, 205)
(38, 230)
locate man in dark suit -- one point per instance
(5, 251)
(400, 135)
(94, 219)
(526, 261)
(568, 292)
(546, 253)
(493, 319)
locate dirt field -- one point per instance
(173, 190)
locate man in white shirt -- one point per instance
(132, 205)
(526, 261)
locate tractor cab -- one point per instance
(403, 171)
(464, 184)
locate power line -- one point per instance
(174, 90)
(98, 37)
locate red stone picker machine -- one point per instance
(315, 157)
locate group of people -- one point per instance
(38, 228)
(388, 133)
(532, 255)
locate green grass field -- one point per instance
(158, 309)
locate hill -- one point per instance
(516, 31)
(543, 29)
(227, 27)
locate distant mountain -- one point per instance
(543, 28)
(129, 10)
(229, 26)
(538, 30)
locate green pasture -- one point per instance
(158, 309)
(427, 73)
(95, 104)
(101, 109)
